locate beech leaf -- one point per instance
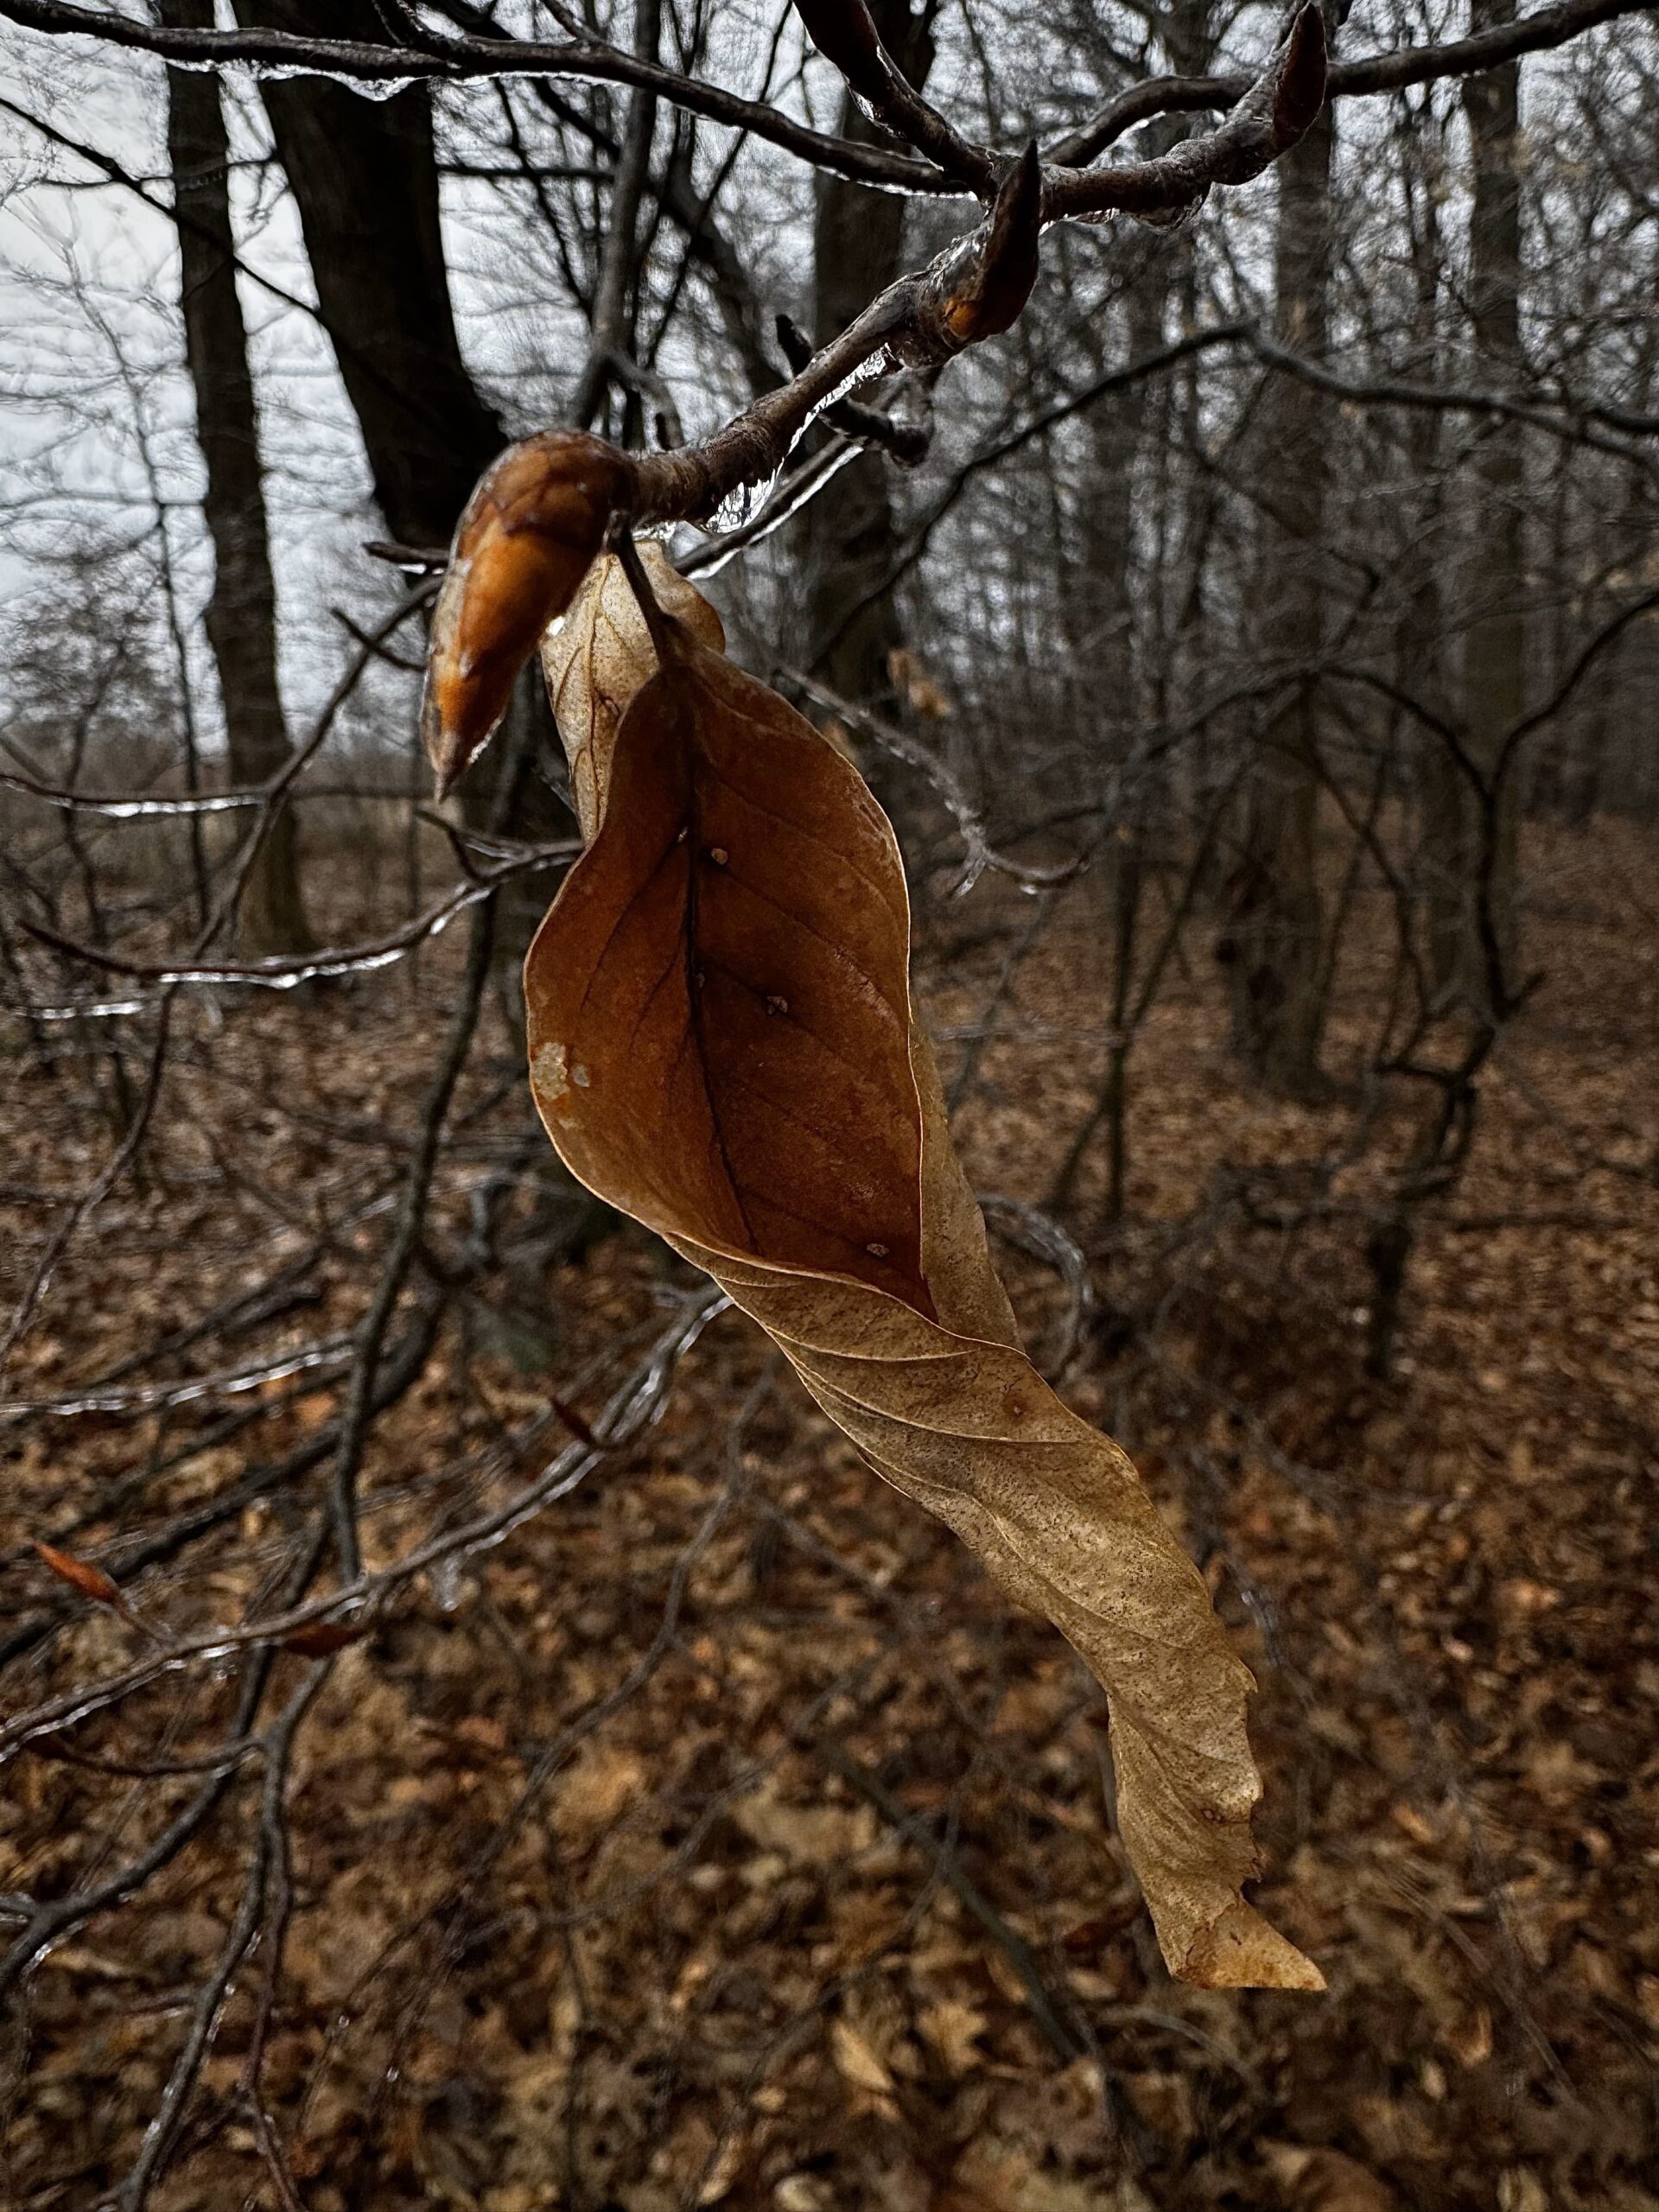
(723, 1045)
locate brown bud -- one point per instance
(1299, 85)
(80, 1574)
(844, 33)
(321, 1639)
(529, 534)
(979, 287)
(1009, 268)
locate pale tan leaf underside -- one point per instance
(598, 657)
(723, 1045)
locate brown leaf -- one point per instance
(600, 654)
(1090, 1938)
(811, 1835)
(527, 537)
(723, 1045)
(994, 2174)
(954, 2030)
(80, 1574)
(599, 1786)
(744, 1001)
(321, 1639)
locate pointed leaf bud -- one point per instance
(529, 534)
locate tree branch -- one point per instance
(461, 59)
(1373, 73)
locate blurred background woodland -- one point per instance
(1256, 649)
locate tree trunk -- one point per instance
(1103, 611)
(1495, 647)
(364, 175)
(616, 291)
(1272, 945)
(242, 610)
(1444, 797)
(1126, 663)
(857, 249)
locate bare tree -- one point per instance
(1274, 938)
(242, 610)
(1495, 647)
(858, 237)
(365, 175)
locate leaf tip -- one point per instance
(1241, 1950)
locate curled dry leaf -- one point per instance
(527, 537)
(723, 1045)
(1327, 2181)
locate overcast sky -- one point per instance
(97, 444)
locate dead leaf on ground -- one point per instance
(600, 1783)
(992, 2175)
(954, 2030)
(814, 1835)
(1327, 2181)
(856, 2062)
(321, 1639)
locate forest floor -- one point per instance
(722, 1837)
